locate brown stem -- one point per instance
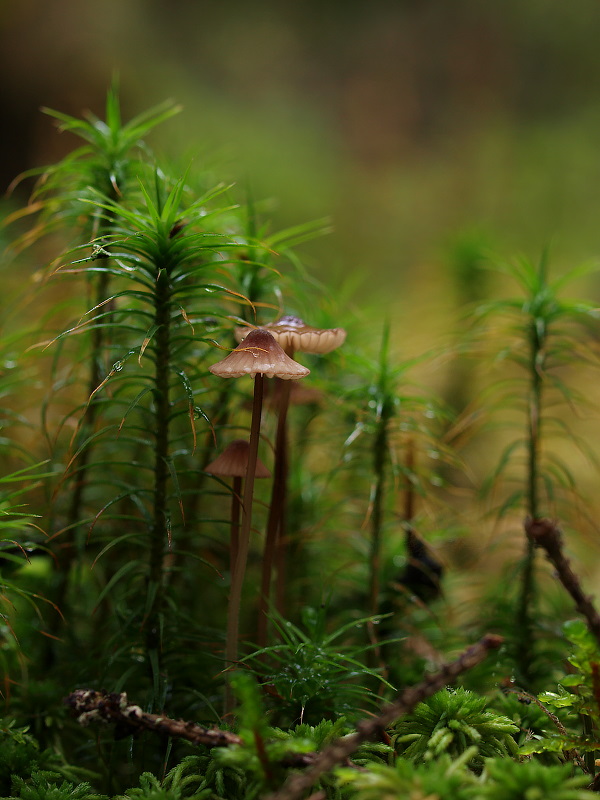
(409, 491)
(337, 752)
(544, 533)
(89, 705)
(234, 544)
(281, 549)
(237, 579)
(274, 540)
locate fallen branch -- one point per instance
(340, 750)
(91, 706)
(545, 533)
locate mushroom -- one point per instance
(293, 334)
(258, 355)
(233, 463)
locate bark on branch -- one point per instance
(91, 706)
(88, 705)
(546, 534)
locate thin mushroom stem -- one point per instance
(237, 579)
(234, 544)
(281, 475)
(281, 470)
(275, 527)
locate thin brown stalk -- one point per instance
(274, 540)
(89, 705)
(546, 534)
(282, 542)
(237, 579)
(234, 544)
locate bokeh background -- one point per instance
(412, 124)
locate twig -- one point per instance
(569, 754)
(544, 533)
(341, 749)
(89, 705)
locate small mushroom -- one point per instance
(233, 463)
(293, 334)
(258, 355)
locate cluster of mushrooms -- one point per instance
(267, 351)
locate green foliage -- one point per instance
(316, 737)
(181, 782)
(20, 536)
(314, 674)
(442, 778)
(263, 760)
(502, 779)
(22, 759)
(531, 780)
(530, 718)
(208, 775)
(46, 786)
(20, 754)
(452, 721)
(396, 426)
(257, 763)
(541, 334)
(108, 163)
(576, 701)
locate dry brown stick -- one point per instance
(91, 706)
(341, 749)
(545, 533)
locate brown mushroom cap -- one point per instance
(292, 333)
(233, 462)
(259, 353)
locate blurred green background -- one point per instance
(408, 122)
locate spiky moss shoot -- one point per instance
(450, 722)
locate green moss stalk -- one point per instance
(97, 350)
(159, 534)
(537, 336)
(380, 449)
